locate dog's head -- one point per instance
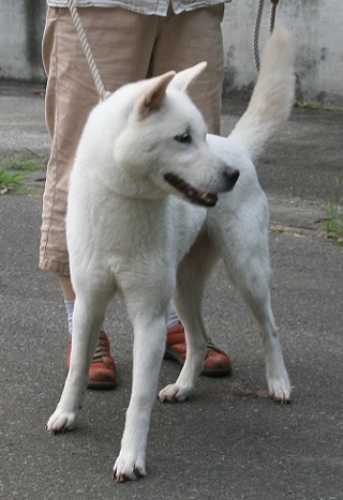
(161, 145)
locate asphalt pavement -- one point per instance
(229, 441)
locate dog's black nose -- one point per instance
(231, 175)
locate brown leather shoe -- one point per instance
(102, 370)
(216, 364)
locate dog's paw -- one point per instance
(128, 469)
(280, 390)
(61, 422)
(174, 392)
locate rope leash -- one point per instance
(257, 27)
(103, 94)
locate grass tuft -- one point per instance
(333, 222)
(10, 181)
(15, 169)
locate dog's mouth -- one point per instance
(192, 194)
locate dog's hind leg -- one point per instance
(192, 274)
(257, 297)
(246, 257)
(88, 317)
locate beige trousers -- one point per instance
(126, 47)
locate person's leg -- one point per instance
(66, 287)
(70, 96)
(184, 40)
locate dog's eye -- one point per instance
(184, 138)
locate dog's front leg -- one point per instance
(86, 324)
(149, 345)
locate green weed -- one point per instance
(306, 105)
(27, 162)
(10, 181)
(15, 169)
(333, 222)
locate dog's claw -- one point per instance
(131, 471)
(53, 432)
(120, 478)
(174, 392)
(137, 472)
(60, 423)
(283, 400)
(280, 389)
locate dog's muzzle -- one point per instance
(201, 198)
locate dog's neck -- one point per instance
(126, 190)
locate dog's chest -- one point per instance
(133, 235)
(159, 234)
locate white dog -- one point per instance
(143, 157)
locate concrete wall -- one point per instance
(21, 27)
(317, 25)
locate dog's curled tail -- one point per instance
(273, 95)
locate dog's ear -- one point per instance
(184, 79)
(153, 94)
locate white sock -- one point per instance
(173, 318)
(69, 305)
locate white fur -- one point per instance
(127, 233)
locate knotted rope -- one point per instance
(87, 50)
(257, 27)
